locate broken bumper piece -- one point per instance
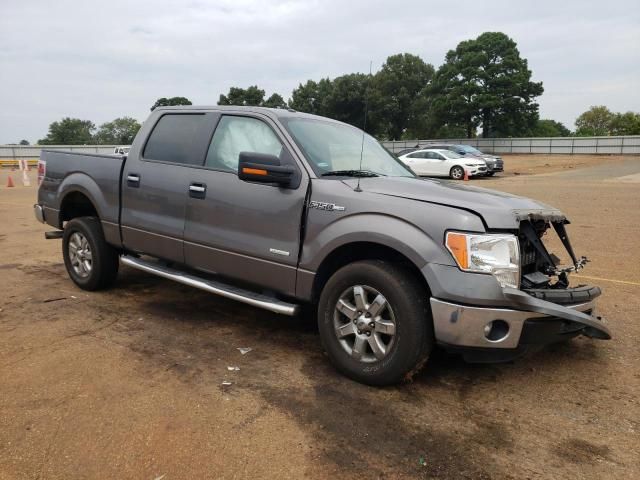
(490, 334)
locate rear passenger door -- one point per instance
(244, 230)
(156, 184)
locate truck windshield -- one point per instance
(334, 147)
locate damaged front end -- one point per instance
(543, 309)
(545, 284)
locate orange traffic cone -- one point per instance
(9, 181)
(466, 175)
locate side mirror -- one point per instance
(263, 168)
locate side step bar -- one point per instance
(218, 288)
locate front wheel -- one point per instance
(91, 262)
(457, 173)
(375, 322)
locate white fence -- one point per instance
(17, 152)
(629, 145)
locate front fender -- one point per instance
(386, 230)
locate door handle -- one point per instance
(197, 190)
(133, 180)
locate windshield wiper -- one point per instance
(352, 173)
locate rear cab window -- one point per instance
(179, 138)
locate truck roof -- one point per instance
(273, 112)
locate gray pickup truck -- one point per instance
(280, 209)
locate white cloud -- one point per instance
(99, 60)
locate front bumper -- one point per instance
(476, 171)
(457, 325)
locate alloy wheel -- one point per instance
(364, 323)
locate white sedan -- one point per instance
(442, 163)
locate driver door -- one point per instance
(240, 229)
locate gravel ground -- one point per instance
(127, 383)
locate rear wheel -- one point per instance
(375, 322)
(90, 261)
(457, 173)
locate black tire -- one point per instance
(456, 173)
(490, 174)
(104, 260)
(413, 339)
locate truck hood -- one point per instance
(499, 210)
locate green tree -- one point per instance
(120, 131)
(399, 100)
(550, 128)
(170, 102)
(625, 124)
(69, 131)
(275, 101)
(346, 101)
(312, 97)
(252, 96)
(484, 82)
(594, 122)
(24, 142)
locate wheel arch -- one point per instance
(76, 203)
(357, 251)
(80, 195)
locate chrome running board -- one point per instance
(217, 288)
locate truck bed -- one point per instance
(96, 176)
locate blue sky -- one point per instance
(101, 60)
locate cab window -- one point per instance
(235, 134)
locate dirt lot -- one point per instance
(127, 383)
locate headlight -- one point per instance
(470, 164)
(497, 254)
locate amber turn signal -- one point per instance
(457, 245)
(254, 171)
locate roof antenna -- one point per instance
(366, 110)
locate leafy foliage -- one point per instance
(600, 121)
(625, 124)
(400, 96)
(594, 122)
(275, 101)
(485, 83)
(24, 142)
(252, 96)
(170, 102)
(550, 128)
(120, 131)
(312, 97)
(69, 131)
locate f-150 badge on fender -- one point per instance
(329, 207)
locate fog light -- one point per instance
(496, 330)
